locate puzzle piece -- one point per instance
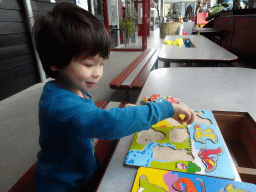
(203, 135)
(210, 157)
(187, 182)
(231, 188)
(145, 186)
(151, 98)
(157, 98)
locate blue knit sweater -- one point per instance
(67, 125)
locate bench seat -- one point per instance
(134, 76)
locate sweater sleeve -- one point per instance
(117, 123)
(82, 118)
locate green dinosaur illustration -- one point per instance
(148, 187)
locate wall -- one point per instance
(18, 69)
(19, 91)
(98, 6)
(18, 64)
(43, 6)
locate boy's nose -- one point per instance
(97, 73)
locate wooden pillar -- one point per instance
(106, 15)
(144, 24)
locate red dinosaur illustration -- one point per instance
(173, 100)
(210, 157)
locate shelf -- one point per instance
(239, 132)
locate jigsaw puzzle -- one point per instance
(197, 148)
(154, 180)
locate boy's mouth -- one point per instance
(91, 84)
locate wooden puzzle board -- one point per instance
(155, 180)
(197, 149)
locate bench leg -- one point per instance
(126, 96)
(131, 96)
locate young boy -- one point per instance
(72, 45)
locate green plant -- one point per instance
(127, 24)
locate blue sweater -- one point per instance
(67, 125)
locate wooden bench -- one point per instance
(104, 150)
(134, 76)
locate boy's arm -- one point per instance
(117, 123)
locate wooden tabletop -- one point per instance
(209, 88)
(204, 51)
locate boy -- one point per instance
(72, 45)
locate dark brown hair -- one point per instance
(69, 31)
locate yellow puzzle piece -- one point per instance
(177, 42)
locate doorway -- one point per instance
(129, 24)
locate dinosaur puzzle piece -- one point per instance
(145, 186)
(151, 98)
(187, 182)
(173, 100)
(157, 98)
(203, 135)
(210, 157)
(231, 188)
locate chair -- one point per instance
(169, 28)
(181, 30)
(200, 19)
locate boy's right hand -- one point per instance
(183, 110)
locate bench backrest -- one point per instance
(103, 151)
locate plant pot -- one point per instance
(128, 41)
(134, 37)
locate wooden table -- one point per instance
(204, 52)
(208, 88)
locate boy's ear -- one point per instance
(54, 68)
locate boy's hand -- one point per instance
(184, 110)
(129, 105)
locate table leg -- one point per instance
(167, 64)
(156, 65)
(215, 65)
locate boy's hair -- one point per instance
(69, 31)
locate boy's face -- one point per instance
(80, 75)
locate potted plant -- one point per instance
(128, 25)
